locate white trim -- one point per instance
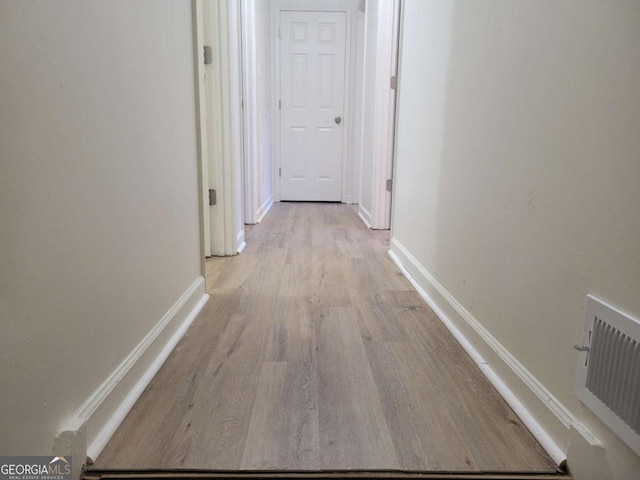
(421, 279)
(362, 120)
(213, 36)
(355, 114)
(240, 241)
(275, 111)
(399, 34)
(223, 86)
(250, 112)
(538, 431)
(346, 105)
(365, 215)
(108, 405)
(264, 208)
(233, 209)
(384, 108)
(201, 126)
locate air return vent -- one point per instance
(609, 370)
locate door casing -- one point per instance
(220, 123)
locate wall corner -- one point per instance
(71, 441)
(586, 457)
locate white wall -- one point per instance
(517, 182)
(98, 198)
(264, 89)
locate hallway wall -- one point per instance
(98, 200)
(516, 190)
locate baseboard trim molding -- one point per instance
(240, 242)
(264, 208)
(423, 281)
(365, 215)
(110, 403)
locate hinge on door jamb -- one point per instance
(394, 82)
(279, 172)
(213, 200)
(389, 185)
(208, 55)
(279, 104)
(279, 33)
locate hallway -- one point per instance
(314, 352)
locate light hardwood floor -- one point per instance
(314, 352)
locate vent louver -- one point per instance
(609, 370)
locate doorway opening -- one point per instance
(297, 103)
(319, 122)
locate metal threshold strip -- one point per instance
(188, 474)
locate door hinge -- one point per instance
(389, 185)
(394, 82)
(279, 33)
(280, 172)
(208, 55)
(213, 200)
(279, 104)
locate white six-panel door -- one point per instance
(312, 87)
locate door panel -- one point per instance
(312, 81)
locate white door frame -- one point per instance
(250, 112)
(220, 125)
(234, 214)
(277, 6)
(384, 111)
(201, 126)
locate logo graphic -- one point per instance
(35, 468)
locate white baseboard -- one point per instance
(240, 242)
(264, 208)
(365, 215)
(110, 403)
(550, 414)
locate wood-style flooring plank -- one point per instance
(264, 435)
(298, 418)
(215, 428)
(350, 413)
